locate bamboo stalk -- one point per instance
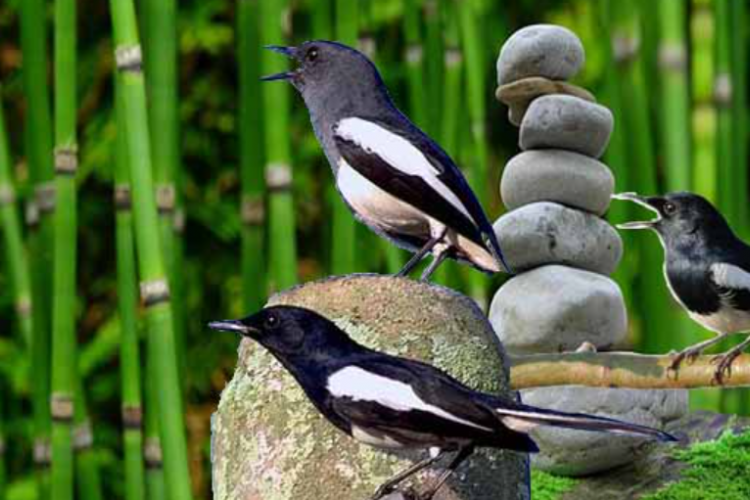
(39, 153)
(88, 479)
(15, 253)
(153, 455)
(3, 467)
(622, 370)
(154, 287)
(127, 301)
(434, 57)
(472, 45)
(343, 243)
(161, 87)
(414, 57)
(322, 14)
(739, 33)
(251, 156)
(282, 245)
(64, 356)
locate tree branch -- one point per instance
(622, 369)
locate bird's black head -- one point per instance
(288, 331)
(328, 70)
(678, 215)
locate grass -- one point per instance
(717, 470)
(546, 486)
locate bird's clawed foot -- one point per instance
(723, 364)
(690, 354)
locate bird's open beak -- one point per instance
(644, 201)
(231, 325)
(286, 75)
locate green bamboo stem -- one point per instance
(433, 63)
(161, 86)
(154, 287)
(64, 357)
(39, 154)
(343, 243)
(251, 155)
(3, 467)
(322, 14)
(674, 94)
(152, 450)
(472, 46)
(414, 58)
(88, 478)
(739, 33)
(15, 253)
(127, 303)
(723, 99)
(656, 310)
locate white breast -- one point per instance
(726, 320)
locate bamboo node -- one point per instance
(286, 21)
(366, 44)
(165, 198)
(278, 177)
(66, 160)
(32, 214)
(253, 211)
(7, 195)
(62, 407)
(129, 58)
(672, 56)
(154, 292)
(42, 453)
(178, 221)
(45, 197)
(83, 436)
(23, 307)
(132, 416)
(122, 197)
(625, 47)
(453, 57)
(152, 454)
(414, 54)
(723, 91)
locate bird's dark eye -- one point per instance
(312, 54)
(669, 208)
(271, 321)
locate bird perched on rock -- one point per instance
(706, 266)
(394, 178)
(398, 403)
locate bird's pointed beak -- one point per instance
(644, 201)
(285, 75)
(231, 325)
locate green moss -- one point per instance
(546, 486)
(718, 470)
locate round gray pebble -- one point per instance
(544, 50)
(548, 233)
(566, 122)
(557, 308)
(578, 453)
(569, 178)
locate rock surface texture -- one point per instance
(556, 191)
(269, 443)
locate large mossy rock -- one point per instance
(269, 443)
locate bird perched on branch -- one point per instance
(398, 403)
(706, 266)
(394, 178)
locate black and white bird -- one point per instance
(707, 268)
(394, 178)
(398, 403)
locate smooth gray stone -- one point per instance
(566, 122)
(557, 308)
(577, 453)
(544, 50)
(268, 442)
(549, 233)
(568, 178)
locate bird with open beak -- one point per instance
(706, 266)
(392, 176)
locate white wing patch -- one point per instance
(397, 152)
(730, 276)
(360, 385)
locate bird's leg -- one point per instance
(693, 351)
(439, 258)
(460, 457)
(388, 486)
(725, 360)
(417, 257)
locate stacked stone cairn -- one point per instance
(554, 237)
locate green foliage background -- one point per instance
(670, 134)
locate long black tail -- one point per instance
(523, 418)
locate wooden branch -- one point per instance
(622, 369)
